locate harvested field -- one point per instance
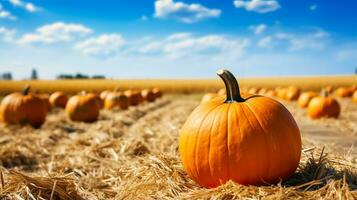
(133, 154)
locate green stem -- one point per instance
(26, 90)
(232, 87)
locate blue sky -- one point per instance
(178, 38)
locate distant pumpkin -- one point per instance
(253, 90)
(148, 95)
(305, 99)
(281, 93)
(323, 106)
(292, 93)
(354, 97)
(116, 100)
(23, 108)
(83, 108)
(133, 96)
(251, 140)
(329, 89)
(157, 92)
(222, 91)
(58, 99)
(344, 92)
(271, 93)
(208, 97)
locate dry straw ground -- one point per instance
(133, 154)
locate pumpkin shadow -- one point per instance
(317, 172)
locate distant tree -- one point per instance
(34, 74)
(64, 76)
(6, 76)
(81, 76)
(98, 77)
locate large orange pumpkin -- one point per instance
(133, 96)
(323, 106)
(305, 98)
(148, 95)
(23, 108)
(252, 140)
(116, 100)
(83, 108)
(292, 93)
(58, 99)
(354, 97)
(344, 91)
(208, 97)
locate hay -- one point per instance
(134, 155)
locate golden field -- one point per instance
(133, 153)
(176, 86)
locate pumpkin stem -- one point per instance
(232, 87)
(324, 93)
(26, 90)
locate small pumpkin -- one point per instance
(208, 97)
(329, 89)
(292, 93)
(83, 107)
(281, 93)
(271, 93)
(157, 92)
(58, 99)
(148, 95)
(305, 98)
(253, 90)
(252, 140)
(354, 97)
(344, 92)
(116, 100)
(23, 108)
(134, 97)
(323, 106)
(104, 94)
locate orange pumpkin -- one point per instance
(329, 89)
(157, 92)
(46, 99)
(83, 108)
(271, 93)
(305, 98)
(292, 93)
(208, 97)
(23, 108)
(252, 140)
(253, 90)
(104, 94)
(116, 100)
(281, 93)
(133, 96)
(323, 106)
(344, 91)
(148, 95)
(354, 97)
(58, 99)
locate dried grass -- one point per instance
(134, 155)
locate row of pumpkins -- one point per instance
(28, 108)
(318, 105)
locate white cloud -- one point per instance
(347, 54)
(187, 13)
(265, 42)
(6, 34)
(258, 29)
(313, 7)
(260, 6)
(56, 32)
(102, 46)
(4, 14)
(30, 7)
(311, 41)
(185, 44)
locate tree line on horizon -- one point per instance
(34, 76)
